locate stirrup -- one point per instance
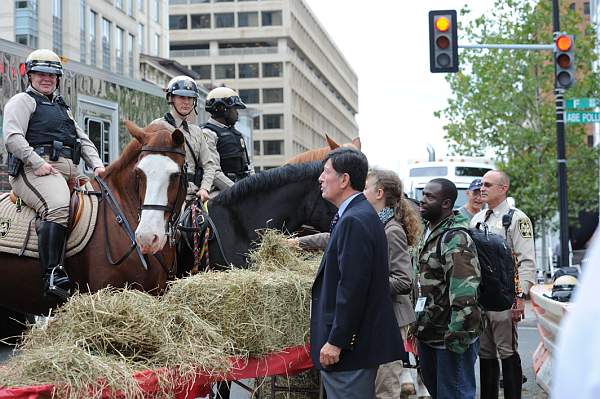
(53, 289)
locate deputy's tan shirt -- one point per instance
(519, 237)
(196, 140)
(17, 112)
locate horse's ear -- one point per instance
(177, 137)
(332, 144)
(356, 143)
(135, 131)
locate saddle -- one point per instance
(18, 223)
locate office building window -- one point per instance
(256, 145)
(586, 8)
(130, 44)
(223, 1)
(248, 18)
(141, 5)
(93, 17)
(248, 71)
(156, 11)
(271, 18)
(119, 50)
(141, 36)
(256, 123)
(249, 96)
(57, 26)
(203, 71)
(82, 35)
(106, 43)
(272, 95)
(178, 21)
(200, 21)
(272, 69)
(130, 7)
(119, 4)
(225, 71)
(572, 6)
(156, 47)
(224, 20)
(273, 147)
(273, 121)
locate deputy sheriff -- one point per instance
(499, 337)
(182, 96)
(45, 145)
(227, 145)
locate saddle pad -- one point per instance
(15, 225)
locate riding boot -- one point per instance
(51, 244)
(489, 373)
(513, 377)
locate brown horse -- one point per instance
(319, 154)
(141, 194)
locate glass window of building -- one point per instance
(248, 70)
(272, 69)
(249, 96)
(200, 21)
(57, 26)
(119, 50)
(119, 4)
(271, 18)
(273, 147)
(106, 43)
(247, 0)
(203, 71)
(92, 33)
(178, 21)
(82, 35)
(256, 145)
(224, 20)
(223, 1)
(273, 121)
(248, 18)
(141, 36)
(130, 7)
(225, 71)
(256, 123)
(140, 4)
(156, 47)
(156, 11)
(130, 62)
(586, 8)
(273, 95)
(572, 6)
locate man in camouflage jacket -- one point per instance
(448, 316)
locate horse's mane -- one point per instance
(268, 180)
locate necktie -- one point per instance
(487, 215)
(334, 221)
(185, 126)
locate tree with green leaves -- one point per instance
(503, 101)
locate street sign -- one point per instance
(579, 103)
(582, 117)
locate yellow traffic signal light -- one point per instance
(443, 42)
(564, 60)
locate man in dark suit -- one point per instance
(353, 328)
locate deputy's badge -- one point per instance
(525, 228)
(242, 143)
(4, 227)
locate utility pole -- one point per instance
(561, 155)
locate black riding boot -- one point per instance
(513, 377)
(51, 243)
(489, 373)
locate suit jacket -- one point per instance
(351, 300)
(402, 275)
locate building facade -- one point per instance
(282, 62)
(108, 34)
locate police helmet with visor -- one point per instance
(183, 86)
(44, 61)
(222, 98)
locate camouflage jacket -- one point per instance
(452, 316)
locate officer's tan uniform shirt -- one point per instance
(17, 112)
(520, 238)
(196, 140)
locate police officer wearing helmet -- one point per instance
(45, 145)
(182, 96)
(227, 145)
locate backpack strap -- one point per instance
(507, 220)
(443, 236)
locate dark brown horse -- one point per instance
(144, 189)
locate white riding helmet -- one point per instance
(44, 60)
(222, 98)
(183, 86)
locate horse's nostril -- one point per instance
(155, 239)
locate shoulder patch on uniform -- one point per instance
(525, 228)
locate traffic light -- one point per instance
(564, 60)
(443, 41)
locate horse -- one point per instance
(320, 153)
(283, 198)
(140, 194)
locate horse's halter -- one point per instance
(172, 210)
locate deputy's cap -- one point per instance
(475, 185)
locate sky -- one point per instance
(386, 42)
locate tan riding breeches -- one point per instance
(49, 195)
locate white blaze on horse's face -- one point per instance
(150, 233)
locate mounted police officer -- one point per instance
(182, 96)
(45, 145)
(226, 143)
